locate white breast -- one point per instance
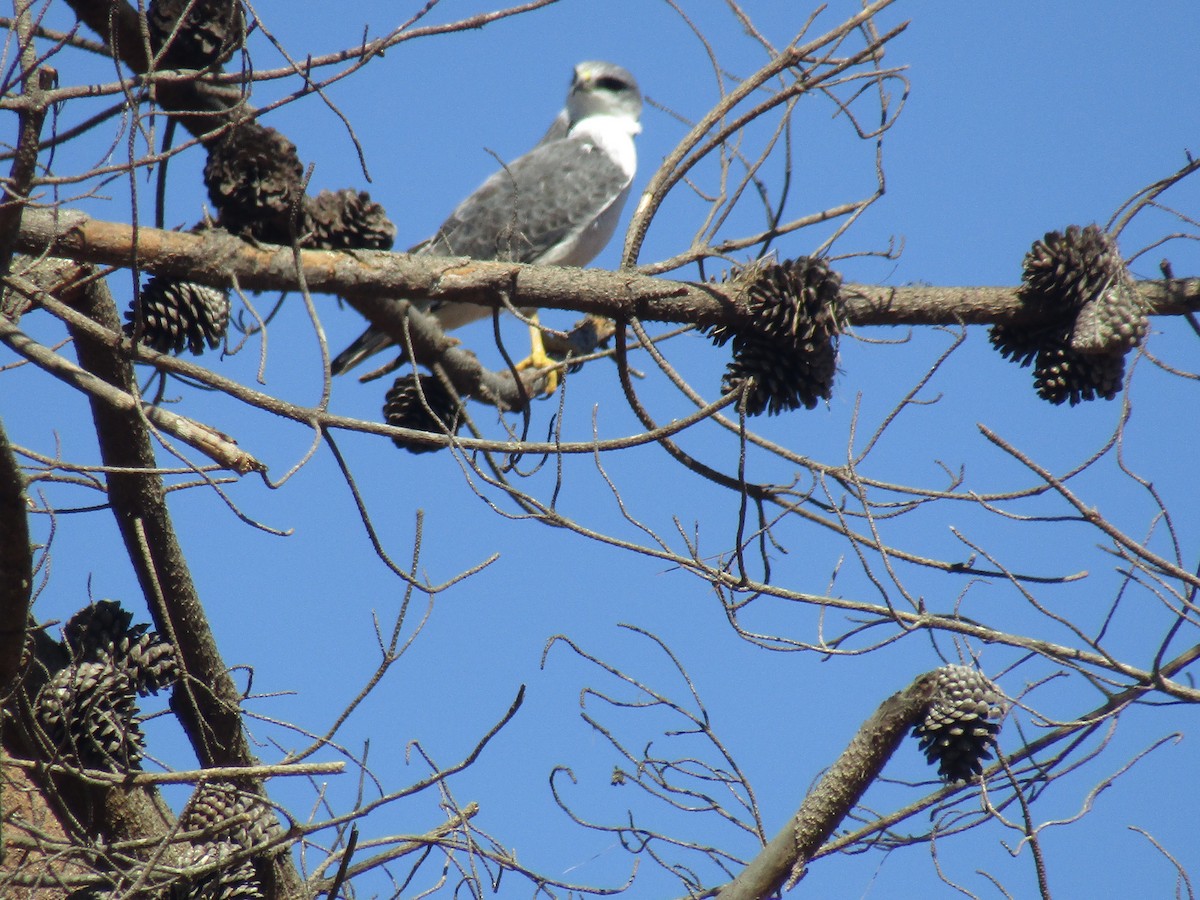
(612, 136)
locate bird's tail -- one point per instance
(367, 344)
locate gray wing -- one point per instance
(558, 129)
(541, 202)
(534, 204)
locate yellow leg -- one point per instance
(538, 358)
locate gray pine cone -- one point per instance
(178, 314)
(236, 881)
(89, 714)
(1112, 322)
(216, 802)
(403, 407)
(958, 730)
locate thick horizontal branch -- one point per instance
(368, 278)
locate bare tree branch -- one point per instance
(207, 700)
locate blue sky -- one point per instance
(1021, 118)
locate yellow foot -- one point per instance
(539, 359)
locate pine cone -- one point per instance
(176, 314)
(90, 715)
(1022, 343)
(789, 356)
(149, 661)
(1089, 314)
(254, 179)
(1112, 322)
(958, 730)
(95, 629)
(103, 633)
(1065, 271)
(780, 379)
(234, 882)
(1062, 375)
(210, 33)
(216, 802)
(350, 220)
(403, 407)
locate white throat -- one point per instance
(614, 135)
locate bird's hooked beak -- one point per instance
(583, 76)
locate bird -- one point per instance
(557, 204)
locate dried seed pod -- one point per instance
(1063, 375)
(788, 357)
(90, 716)
(403, 407)
(959, 728)
(217, 802)
(255, 180)
(1088, 316)
(195, 33)
(178, 314)
(348, 219)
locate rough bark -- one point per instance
(829, 802)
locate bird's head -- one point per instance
(603, 89)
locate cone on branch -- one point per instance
(960, 727)
(88, 709)
(256, 182)
(195, 34)
(788, 357)
(215, 803)
(103, 632)
(421, 403)
(233, 881)
(177, 314)
(1063, 375)
(1088, 316)
(89, 715)
(348, 220)
(95, 629)
(1114, 321)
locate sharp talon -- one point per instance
(539, 359)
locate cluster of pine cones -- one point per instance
(1089, 316)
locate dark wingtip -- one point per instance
(366, 345)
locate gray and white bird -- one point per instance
(556, 205)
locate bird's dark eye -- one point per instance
(610, 83)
